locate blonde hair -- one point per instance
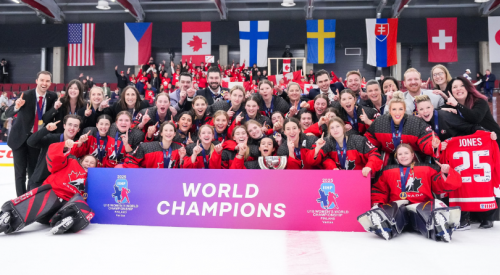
(336, 119)
(294, 84)
(411, 70)
(213, 133)
(247, 152)
(407, 146)
(237, 87)
(446, 72)
(353, 72)
(422, 98)
(220, 113)
(99, 89)
(397, 97)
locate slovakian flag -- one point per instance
(494, 38)
(196, 41)
(442, 39)
(138, 43)
(286, 65)
(254, 38)
(381, 36)
(81, 44)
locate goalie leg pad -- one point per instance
(32, 206)
(434, 219)
(386, 220)
(78, 210)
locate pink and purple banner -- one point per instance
(244, 199)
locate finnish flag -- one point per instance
(254, 37)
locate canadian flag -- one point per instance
(308, 87)
(286, 65)
(275, 79)
(196, 41)
(494, 38)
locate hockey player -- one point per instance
(359, 117)
(205, 153)
(270, 102)
(390, 130)
(158, 154)
(149, 120)
(349, 152)
(238, 145)
(302, 150)
(98, 105)
(184, 126)
(251, 112)
(321, 126)
(120, 130)
(200, 113)
(267, 160)
(220, 122)
(58, 201)
(404, 194)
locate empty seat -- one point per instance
(32, 86)
(60, 87)
(16, 87)
(25, 87)
(7, 87)
(52, 87)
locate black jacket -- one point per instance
(116, 108)
(25, 120)
(207, 93)
(451, 125)
(41, 140)
(54, 115)
(121, 80)
(334, 87)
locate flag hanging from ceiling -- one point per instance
(254, 37)
(81, 44)
(494, 38)
(321, 41)
(382, 36)
(196, 41)
(442, 39)
(138, 43)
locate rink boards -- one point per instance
(6, 158)
(315, 200)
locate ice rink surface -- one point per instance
(112, 249)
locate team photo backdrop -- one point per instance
(242, 199)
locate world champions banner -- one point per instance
(312, 200)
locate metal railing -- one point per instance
(275, 65)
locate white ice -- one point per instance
(113, 249)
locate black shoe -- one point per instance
(486, 224)
(464, 221)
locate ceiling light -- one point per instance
(288, 3)
(481, 1)
(15, 1)
(126, 10)
(103, 5)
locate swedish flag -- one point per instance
(321, 41)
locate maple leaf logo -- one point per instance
(74, 176)
(196, 43)
(287, 68)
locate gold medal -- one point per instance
(40, 122)
(403, 195)
(85, 196)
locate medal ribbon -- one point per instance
(101, 153)
(404, 177)
(342, 155)
(204, 155)
(118, 149)
(166, 158)
(353, 120)
(396, 136)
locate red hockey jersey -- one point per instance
(423, 181)
(106, 145)
(360, 153)
(477, 159)
(67, 175)
(150, 155)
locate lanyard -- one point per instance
(358, 100)
(204, 155)
(297, 153)
(436, 122)
(61, 139)
(181, 133)
(459, 113)
(39, 109)
(342, 155)
(101, 153)
(396, 136)
(118, 149)
(197, 122)
(354, 120)
(166, 158)
(223, 135)
(236, 113)
(269, 110)
(404, 179)
(384, 100)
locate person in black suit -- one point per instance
(44, 138)
(323, 81)
(214, 92)
(4, 71)
(29, 107)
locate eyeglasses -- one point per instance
(438, 74)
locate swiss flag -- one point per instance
(494, 38)
(442, 39)
(286, 65)
(196, 41)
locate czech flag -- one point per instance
(382, 36)
(138, 43)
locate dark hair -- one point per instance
(472, 93)
(305, 111)
(186, 74)
(292, 120)
(323, 96)
(66, 117)
(212, 70)
(254, 97)
(275, 143)
(79, 100)
(163, 126)
(322, 72)
(331, 110)
(104, 116)
(396, 82)
(122, 102)
(124, 113)
(44, 72)
(162, 94)
(278, 112)
(348, 91)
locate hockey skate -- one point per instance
(380, 228)
(4, 221)
(62, 226)
(440, 225)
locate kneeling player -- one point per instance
(403, 194)
(58, 201)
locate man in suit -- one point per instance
(29, 107)
(182, 97)
(214, 92)
(4, 71)
(413, 82)
(323, 82)
(353, 82)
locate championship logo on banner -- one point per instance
(196, 41)
(381, 36)
(321, 41)
(138, 43)
(241, 199)
(442, 39)
(494, 38)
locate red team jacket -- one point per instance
(90, 147)
(423, 181)
(214, 159)
(477, 159)
(67, 175)
(307, 160)
(150, 155)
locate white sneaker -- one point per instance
(439, 224)
(377, 224)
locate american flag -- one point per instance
(81, 44)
